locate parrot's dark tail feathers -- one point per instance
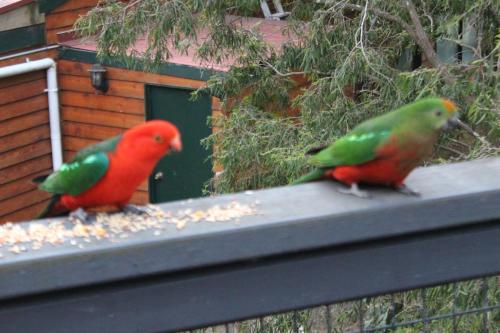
(39, 179)
(316, 149)
(316, 174)
(53, 208)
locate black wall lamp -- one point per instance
(98, 77)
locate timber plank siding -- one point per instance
(23, 107)
(118, 88)
(18, 79)
(64, 16)
(28, 89)
(25, 150)
(24, 122)
(25, 153)
(27, 168)
(26, 213)
(113, 73)
(100, 117)
(24, 138)
(73, 4)
(101, 102)
(23, 200)
(97, 132)
(21, 185)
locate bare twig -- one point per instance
(130, 5)
(268, 64)
(383, 14)
(452, 150)
(462, 44)
(427, 15)
(361, 42)
(469, 130)
(460, 143)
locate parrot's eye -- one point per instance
(158, 138)
(438, 113)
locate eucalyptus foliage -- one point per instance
(351, 53)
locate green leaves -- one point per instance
(118, 25)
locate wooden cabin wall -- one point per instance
(63, 17)
(89, 116)
(25, 150)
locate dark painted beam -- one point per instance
(309, 245)
(166, 68)
(22, 38)
(46, 6)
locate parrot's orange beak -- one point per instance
(176, 143)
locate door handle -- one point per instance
(158, 175)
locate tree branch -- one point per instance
(385, 15)
(268, 64)
(416, 32)
(423, 41)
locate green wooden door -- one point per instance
(180, 175)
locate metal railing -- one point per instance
(469, 306)
(303, 246)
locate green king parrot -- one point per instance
(385, 149)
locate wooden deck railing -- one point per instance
(307, 241)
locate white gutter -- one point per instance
(40, 49)
(55, 129)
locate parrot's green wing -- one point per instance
(357, 147)
(104, 146)
(84, 171)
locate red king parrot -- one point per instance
(109, 172)
(385, 149)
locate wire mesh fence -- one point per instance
(467, 306)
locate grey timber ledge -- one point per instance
(308, 245)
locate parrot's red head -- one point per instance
(153, 139)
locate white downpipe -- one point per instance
(52, 92)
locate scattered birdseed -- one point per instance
(18, 238)
(36, 245)
(181, 224)
(15, 249)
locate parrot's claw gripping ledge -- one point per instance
(79, 214)
(354, 190)
(407, 190)
(133, 209)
